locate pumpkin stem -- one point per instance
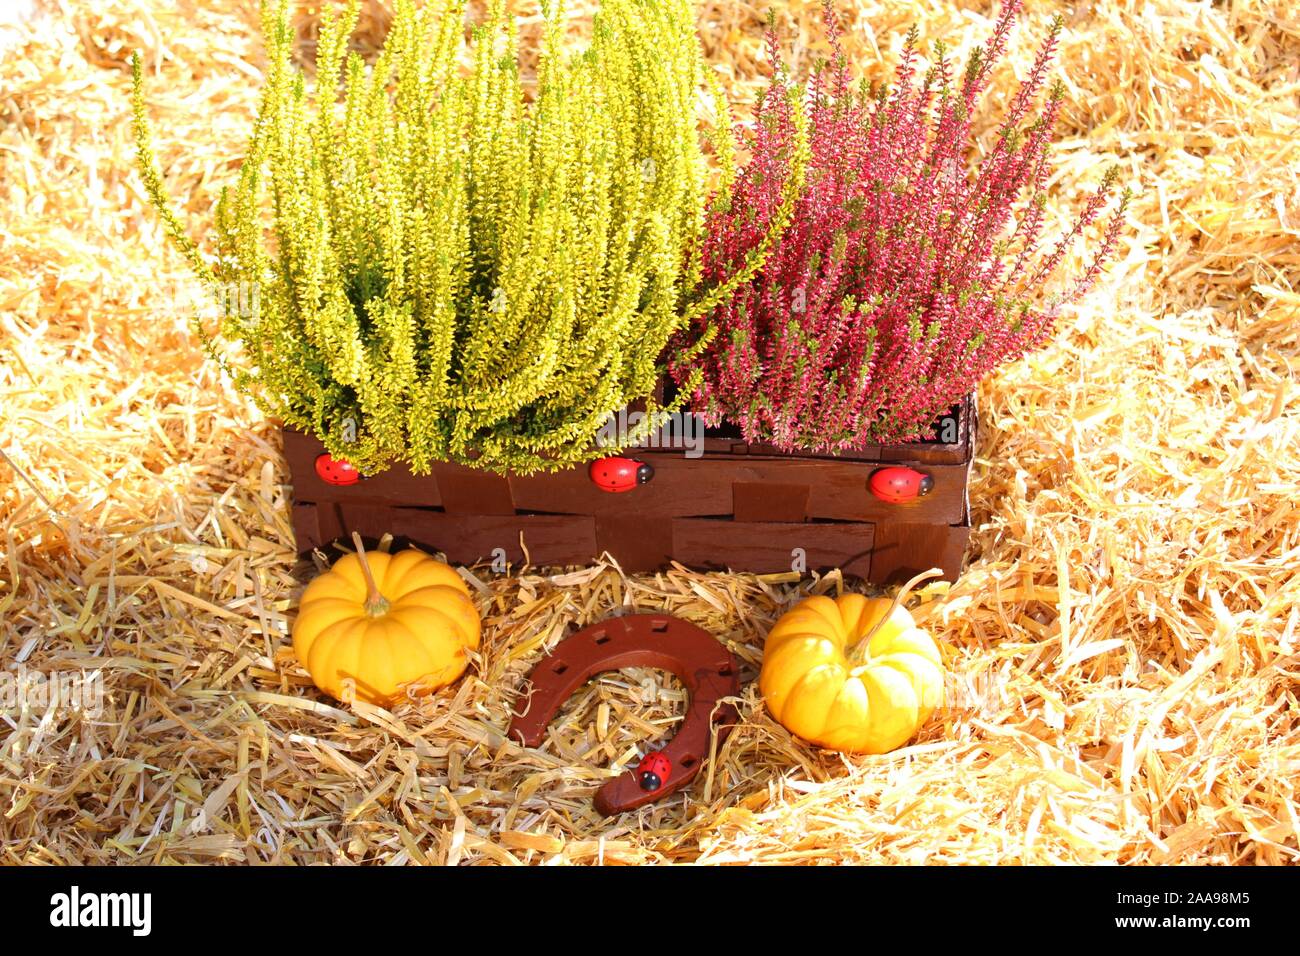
(376, 603)
(858, 652)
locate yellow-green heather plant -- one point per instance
(456, 271)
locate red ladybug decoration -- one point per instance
(898, 485)
(336, 471)
(619, 474)
(653, 770)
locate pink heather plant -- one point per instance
(903, 279)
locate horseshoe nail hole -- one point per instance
(602, 637)
(559, 668)
(660, 626)
(689, 762)
(724, 670)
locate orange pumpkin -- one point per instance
(375, 625)
(853, 674)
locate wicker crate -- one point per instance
(738, 506)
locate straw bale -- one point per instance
(1123, 645)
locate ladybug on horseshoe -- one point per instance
(653, 770)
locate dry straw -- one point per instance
(1123, 645)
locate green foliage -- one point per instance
(447, 269)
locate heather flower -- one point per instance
(448, 269)
(906, 274)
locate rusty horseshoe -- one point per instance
(706, 667)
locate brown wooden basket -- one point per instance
(740, 506)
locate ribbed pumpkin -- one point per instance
(385, 622)
(823, 684)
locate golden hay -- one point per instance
(1123, 644)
